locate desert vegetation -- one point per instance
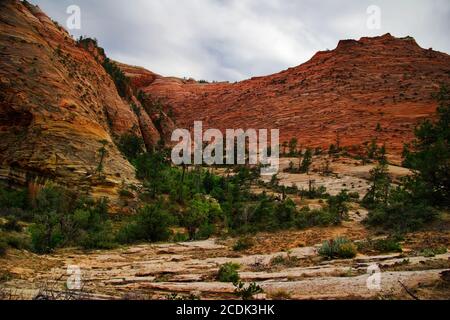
(87, 186)
(205, 204)
(193, 203)
(418, 199)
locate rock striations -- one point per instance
(345, 92)
(61, 113)
(59, 107)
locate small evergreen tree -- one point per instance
(337, 206)
(429, 156)
(285, 146)
(131, 146)
(307, 161)
(121, 81)
(151, 224)
(103, 151)
(201, 211)
(293, 146)
(150, 169)
(380, 186)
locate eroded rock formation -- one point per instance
(59, 107)
(341, 93)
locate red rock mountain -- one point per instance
(61, 114)
(58, 107)
(345, 92)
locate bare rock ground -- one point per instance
(155, 271)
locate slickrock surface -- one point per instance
(285, 264)
(348, 90)
(348, 174)
(155, 271)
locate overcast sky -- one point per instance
(237, 39)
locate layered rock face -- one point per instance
(155, 113)
(58, 108)
(341, 94)
(61, 113)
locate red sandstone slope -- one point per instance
(58, 106)
(349, 90)
(57, 103)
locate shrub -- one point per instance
(327, 250)
(151, 224)
(180, 237)
(12, 224)
(178, 297)
(130, 145)
(347, 251)
(440, 250)
(288, 261)
(354, 195)
(46, 234)
(243, 243)
(202, 211)
(12, 198)
(228, 272)
(17, 213)
(125, 193)
(309, 218)
(428, 253)
(15, 240)
(391, 244)
(247, 292)
(314, 192)
(337, 205)
(387, 245)
(285, 213)
(205, 231)
(402, 213)
(62, 218)
(338, 248)
(431, 252)
(53, 198)
(94, 230)
(5, 276)
(263, 215)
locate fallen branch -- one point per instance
(408, 291)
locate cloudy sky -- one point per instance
(237, 39)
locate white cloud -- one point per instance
(237, 39)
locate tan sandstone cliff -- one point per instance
(58, 107)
